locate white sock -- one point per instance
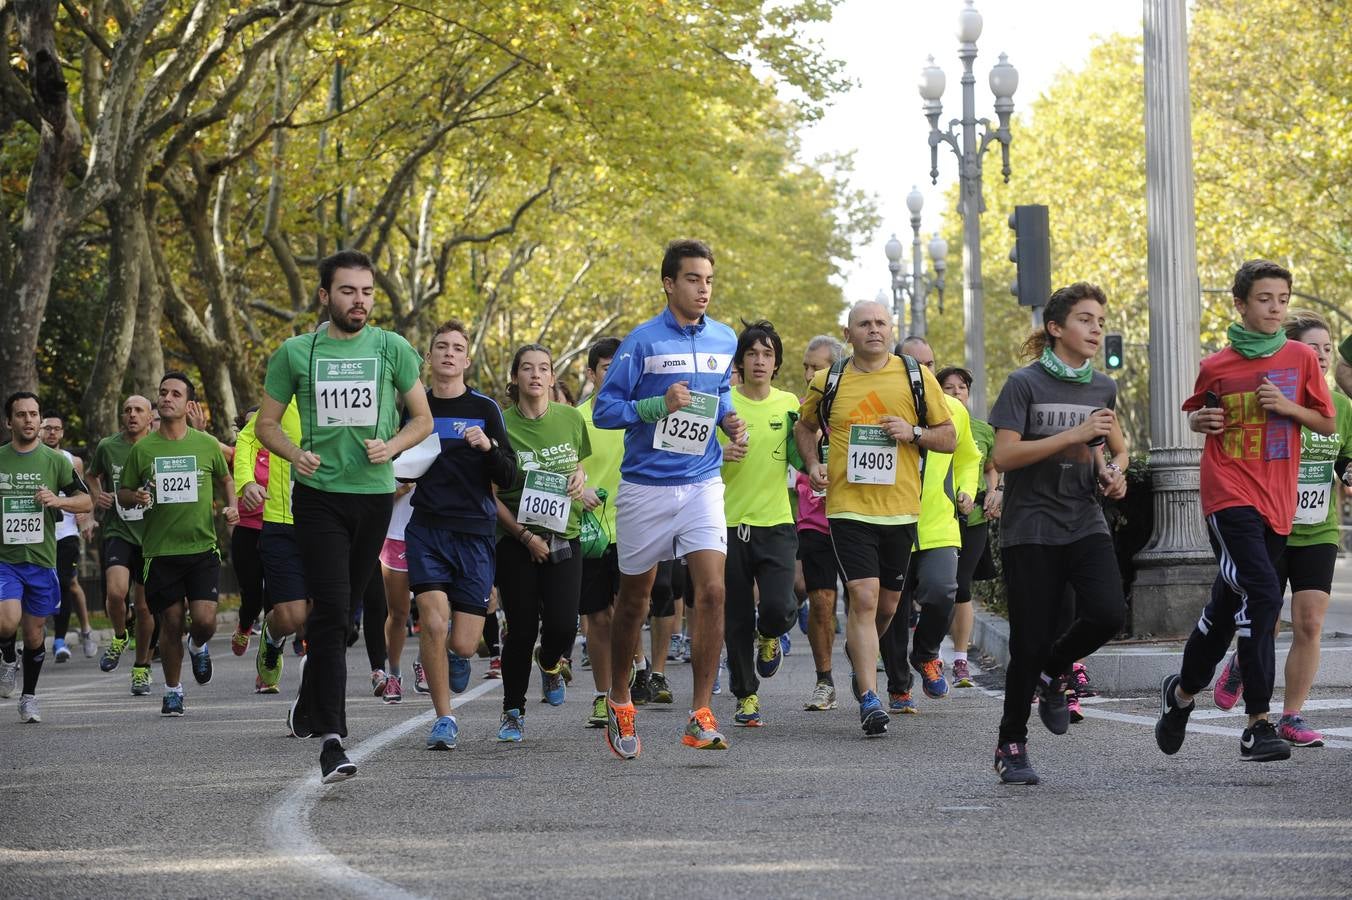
(174, 689)
(329, 736)
(193, 648)
(960, 655)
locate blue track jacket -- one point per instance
(654, 356)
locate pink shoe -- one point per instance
(494, 668)
(378, 680)
(239, 642)
(394, 690)
(1229, 685)
(1298, 732)
(1073, 704)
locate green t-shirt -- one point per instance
(359, 382)
(117, 521)
(756, 487)
(603, 466)
(29, 529)
(555, 442)
(984, 435)
(182, 475)
(1345, 349)
(1318, 485)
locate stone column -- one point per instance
(1175, 570)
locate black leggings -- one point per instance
(973, 551)
(539, 599)
(1037, 577)
(340, 536)
(373, 614)
(68, 573)
(248, 565)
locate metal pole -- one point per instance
(1177, 560)
(898, 298)
(919, 290)
(973, 301)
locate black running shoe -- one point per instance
(334, 764)
(201, 665)
(640, 692)
(1011, 764)
(1051, 704)
(1173, 722)
(1260, 743)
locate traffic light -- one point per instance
(1112, 352)
(1032, 255)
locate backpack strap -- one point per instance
(828, 397)
(918, 399)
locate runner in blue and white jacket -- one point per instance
(669, 388)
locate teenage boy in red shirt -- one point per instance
(1251, 400)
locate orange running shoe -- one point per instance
(620, 735)
(701, 732)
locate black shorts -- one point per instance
(600, 582)
(672, 583)
(1308, 568)
(283, 575)
(173, 579)
(868, 550)
(67, 559)
(820, 568)
(122, 552)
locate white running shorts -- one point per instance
(656, 522)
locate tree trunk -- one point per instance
(128, 250)
(23, 301)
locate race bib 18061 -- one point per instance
(175, 479)
(345, 392)
(22, 521)
(544, 501)
(872, 456)
(1312, 493)
(688, 430)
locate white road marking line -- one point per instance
(287, 826)
(1193, 728)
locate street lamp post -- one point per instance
(1004, 80)
(917, 285)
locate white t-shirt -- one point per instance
(67, 527)
(403, 511)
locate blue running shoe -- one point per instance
(460, 671)
(551, 682)
(932, 680)
(802, 617)
(513, 727)
(872, 717)
(60, 650)
(443, 735)
(902, 703)
(172, 705)
(785, 644)
(201, 666)
(769, 656)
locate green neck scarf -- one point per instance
(1253, 344)
(1058, 369)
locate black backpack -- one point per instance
(917, 397)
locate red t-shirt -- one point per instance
(1256, 460)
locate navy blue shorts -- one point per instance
(458, 564)
(283, 575)
(33, 585)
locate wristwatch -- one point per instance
(916, 434)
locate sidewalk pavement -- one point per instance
(1127, 666)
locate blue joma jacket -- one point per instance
(654, 356)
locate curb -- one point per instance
(1122, 668)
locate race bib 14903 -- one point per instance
(872, 456)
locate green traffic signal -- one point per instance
(1112, 351)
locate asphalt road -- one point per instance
(105, 798)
